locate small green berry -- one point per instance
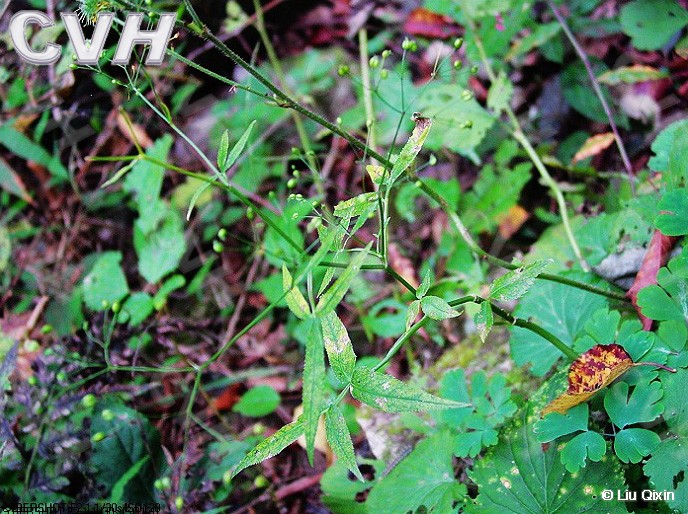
(31, 346)
(46, 329)
(61, 376)
(89, 401)
(158, 485)
(97, 437)
(458, 43)
(406, 44)
(166, 482)
(467, 95)
(32, 380)
(458, 64)
(384, 74)
(343, 70)
(218, 247)
(179, 502)
(291, 183)
(295, 151)
(466, 124)
(260, 482)
(474, 69)
(107, 415)
(222, 234)
(386, 53)
(374, 61)
(227, 477)
(296, 173)
(105, 304)
(116, 307)
(73, 66)
(249, 210)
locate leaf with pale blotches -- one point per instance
(595, 369)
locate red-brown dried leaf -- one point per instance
(424, 23)
(657, 255)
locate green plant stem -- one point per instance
(366, 85)
(475, 247)
(519, 135)
(547, 335)
(598, 91)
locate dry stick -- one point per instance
(598, 91)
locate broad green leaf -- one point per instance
(228, 161)
(438, 309)
(515, 283)
(160, 250)
(272, 445)
(555, 425)
(452, 114)
(340, 493)
(670, 157)
(453, 386)
(561, 309)
(129, 438)
(500, 93)
(668, 469)
(313, 383)
(633, 444)
(331, 298)
(651, 23)
(539, 36)
(675, 406)
(656, 304)
(257, 402)
(411, 148)
(642, 406)
(340, 352)
(484, 319)
(412, 313)
(588, 445)
(295, 300)
(105, 284)
(136, 309)
(673, 213)
(388, 394)
(519, 476)
(479, 434)
(424, 478)
(424, 285)
(166, 289)
(340, 439)
(669, 299)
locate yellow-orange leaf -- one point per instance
(595, 369)
(593, 146)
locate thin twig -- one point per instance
(598, 91)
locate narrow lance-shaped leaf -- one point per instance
(340, 440)
(412, 313)
(388, 394)
(336, 292)
(313, 384)
(424, 285)
(412, 147)
(340, 352)
(484, 320)
(272, 445)
(295, 299)
(229, 160)
(515, 283)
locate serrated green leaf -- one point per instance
(412, 313)
(411, 148)
(118, 489)
(555, 425)
(633, 444)
(340, 440)
(673, 217)
(331, 298)
(438, 309)
(295, 300)
(520, 477)
(355, 206)
(272, 445)
(484, 319)
(388, 394)
(631, 75)
(515, 283)
(500, 93)
(340, 352)
(588, 445)
(161, 249)
(424, 285)
(668, 469)
(642, 406)
(313, 384)
(424, 478)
